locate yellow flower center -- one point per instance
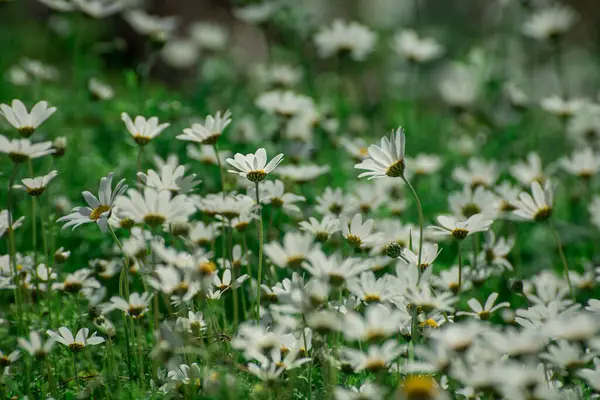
(542, 214)
(396, 170)
(98, 211)
(154, 220)
(354, 240)
(430, 323)
(76, 347)
(419, 388)
(460, 233)
(372, 298)
(295, 261)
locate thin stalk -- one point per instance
(76, 372)
(138, 161)
(124, 278)
(260, 252)
(221, 173)
(460, 264)
(12, 247)
(45, 246)
(140, 356)
(33, 216)
(420, 210)
(234, 273)
(562, 257)
(310, 364)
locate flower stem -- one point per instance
(141, 358)
(420, 210)
(260, 251)
(221, 173)
(460, 264)
(124, 277)
(562, 257)
(33, 216)
(48, 259)
(138, 161)
(76, 372)
(234, 273)
(12, 247)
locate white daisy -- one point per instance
(451, 226)
(77, 343)
(143, 130)
(387, 159)
(342, 37)
(208, 132)
(21, 150)
(136, 306)
(26, 122)
(357, 233)
(154, 208)
(584, 163)
(100, 208)
(537, 207)
(100, 90)
(36, 186)
(550, 23)
(321, 230)
(254, 167)
(484, 312)
(34, 346)
(414, 48)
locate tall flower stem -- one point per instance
(140, 356)
(138, 161)
(420, 210)
(260, 251)
(562, 256)
(76, 372)
(460, 265)
(310, 364)
(234, 273)
(33, 215)
(47, 257)
(11, 245)
(221, 173)
(124, 278)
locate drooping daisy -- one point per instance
(386, 159)
(254, 167)
(536, 206)
(77, 343)
(6, 222)
(357, 233)
(26, 122)
(36, 186)
(99, 208)
(21, 150)
(34, 346)
(142, 130)
(154, 208)
(451, 226)
(210, 131)
(341, 37)
(484, 312)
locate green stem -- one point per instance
(221, 173)
(310, 364)
(12, 247)
(562, 257)
(76, 372)
(234, 276)
(460, 264)
(33, 216)
(140, 356)
(420, 210)
(260, 251)
(138, 161)
(45, 246)
(124, 277)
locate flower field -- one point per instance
(297, 200)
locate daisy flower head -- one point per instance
(564, 108)
(484, 312)
(8, 359)
(142, 130)
(99, 208)
(529, 171)
(451, 226)
(26, 122)
(301, 173)
(158, 28)
(550, 23)
(357, 233)
(583, 163)
(100, 90)
(170, 179)
(414, 48)
(321, 230)
(34, 346)
(36, 186)
(136, 306)
(153, 207)
(210, 131)
(99, 8)
(386, 159)
(21, 150)
(286, 104)
(77, 343)
(536, 206)
(477, 173)
(342, 37)
(254, 167)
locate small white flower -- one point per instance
(584, 163)
(387, 159)
(550, 23)
(484, 312)
(414, 48)
(77, 343)
(342, 37)
(357, 233)
(34, 346)
(100, 90)
(254, 167)
(36, 186)
(143, 130)
(26, 122)
(536, 206)
(209, 131)
(460, 230)
(136, 306)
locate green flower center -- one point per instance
(396, 170)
